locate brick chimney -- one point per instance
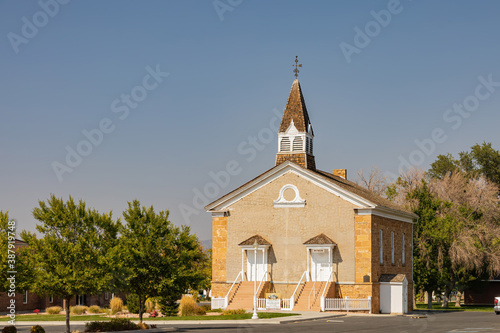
(340, 172)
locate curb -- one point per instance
(293, 320)
(173, 323)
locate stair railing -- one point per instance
(261, 280)
(292, 299)
(313, 289)
(226, 298)
(330, 279)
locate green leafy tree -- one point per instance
(76, 251)
(163, 259)
(12, 258)
(206, 269)
(487, 161)
(481, 160)
(418, 196)
(444, 165)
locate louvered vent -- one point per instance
(308, 145)
(298, 144)
(285, 144)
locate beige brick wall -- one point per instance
(356, 291)
(355, 257)
(288, 228)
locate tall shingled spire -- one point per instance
(295, 137)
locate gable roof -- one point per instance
(250, 241)
(347, 190)
(320, 239)
(295, 110)
(361, 191)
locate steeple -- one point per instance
(295, 137)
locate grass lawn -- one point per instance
(262, 315)
(451, 307)
(41, 318)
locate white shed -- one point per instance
(393, 293)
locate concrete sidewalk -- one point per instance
(303, 316)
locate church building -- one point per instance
(298, 238)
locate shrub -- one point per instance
(168, 307)
(207, 307)
(78, 309)
(188, 307)
(9, 329)
(143, 326)
(37, 329)
(215, 310)
(133, 303)
(233, 312)
(116, 305)
(94, 309)
(54, 310)
(115, 324)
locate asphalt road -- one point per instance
(456, 322)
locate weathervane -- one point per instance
(296, 70)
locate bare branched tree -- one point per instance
(375, 181)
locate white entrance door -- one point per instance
(255, 270)
(320, 265)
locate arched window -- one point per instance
(298, 144)
(285, 144)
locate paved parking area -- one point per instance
(447, 322)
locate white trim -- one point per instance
(291, 130)
(387, 212)
(288, 167)
(250, 247)
(316, 246)
(222, 213)
(296, 202)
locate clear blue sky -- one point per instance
(71, 72)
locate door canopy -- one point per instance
(320, 239)
(251, 241)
